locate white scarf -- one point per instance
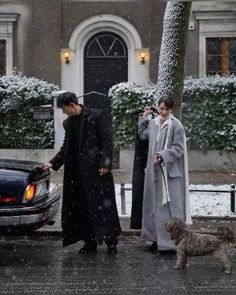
(165, 188)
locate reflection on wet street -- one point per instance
(44, 267)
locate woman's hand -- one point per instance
(147, 111)
(158, 158)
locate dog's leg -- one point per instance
(181, 261)
(223, 257)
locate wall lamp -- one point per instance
(67, 57)
(143, 57)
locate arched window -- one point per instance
(106, 45)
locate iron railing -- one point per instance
(231, 192)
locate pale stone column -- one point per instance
(59, 117)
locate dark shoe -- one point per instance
(167, 252)
(88, 248)
(111, 249)
(154, 248)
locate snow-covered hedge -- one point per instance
(128, 101)
(209, 111)
(18, 96)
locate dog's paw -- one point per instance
(178, 267)
(227, 271)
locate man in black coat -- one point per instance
(89, 211)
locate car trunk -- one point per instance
(15, 176)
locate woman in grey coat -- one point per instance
(166, 175)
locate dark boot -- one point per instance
(112, 247)
(154, 248)
(89, 247)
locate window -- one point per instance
(220, 56)
(6, 42)
(2, 57)
(217, 41)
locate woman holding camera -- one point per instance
(166, 175)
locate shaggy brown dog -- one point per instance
(189, 243)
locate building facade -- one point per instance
(85, 46)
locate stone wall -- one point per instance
(197, 160)
(27, 154)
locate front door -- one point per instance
(105, 64)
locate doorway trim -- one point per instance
(73, 74)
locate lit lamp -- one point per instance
(143, 57)
(67, 55)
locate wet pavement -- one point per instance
(38, 266)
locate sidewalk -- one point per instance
(43, 266)
(134, 270)
(196, 177)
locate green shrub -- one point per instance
(18, 96)
(128, 102)
(209, 111)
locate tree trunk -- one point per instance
(172, 53)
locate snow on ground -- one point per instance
(202, 204)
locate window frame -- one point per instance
(3, 56)
(223, 54)
(213, 25)
(6, 33)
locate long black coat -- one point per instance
(94, 152)
(140, 163)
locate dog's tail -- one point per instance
(225, 234)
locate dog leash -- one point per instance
(168, 204)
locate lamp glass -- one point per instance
(66, 55)
(143, 57)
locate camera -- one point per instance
(154, 109)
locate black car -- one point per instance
(27, 202)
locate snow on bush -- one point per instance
(209, 111)
(128, 102)
(18, 96)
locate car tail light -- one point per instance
(7, 200)
(30, 192)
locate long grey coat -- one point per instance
(155, 214)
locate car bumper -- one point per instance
(20, 220)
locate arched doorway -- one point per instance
(105, 64)
(72, 76)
